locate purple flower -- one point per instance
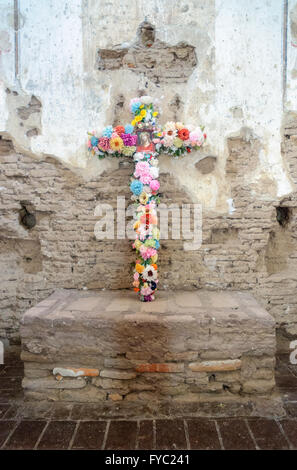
(129, 140)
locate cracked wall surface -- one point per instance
(70, 67)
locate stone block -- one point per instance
(186, 350)
(117, 374)
(213, 366)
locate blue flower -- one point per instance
(136, 187)
(153, 285)
(129, 128)
(157, 244)
(107, 131)
(135, 106)
(94, 141)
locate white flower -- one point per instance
(168, 141)
(154, 171)
(169, 128)
(138, 156)
(149, 274)
(154, 161)
(179, 125)
(146, 99)
(147, 189)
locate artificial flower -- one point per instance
(138, 244)
(107, 131)
(168, 140)
(136, 283)
(177, 142)
(149, 274)
(116, 143)
(145, 178)
(103, 143)
(141, 168)
(94, 141)
(196, 135)
(150, 242)
(154, 172)
(146, 291)
(129, 139)
(146, 99)
(128, 151)
(169, 129)
(154, 259)
(119, 130)
(155, 113)
(183, 134)
(156, 233)
(136, 187)
(136, 276)
(179, 125)
(139, 268)
(154, 185)
(143, 198)
(138, 118)
(134, 105)
(128, 129)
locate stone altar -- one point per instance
(188, 353)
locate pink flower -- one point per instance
(147, 253)
(103, 143)
(136, 276)
(146, 291)
(141, 168)
(154, 185)
(89, 144)
(145, 178)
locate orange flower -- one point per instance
(136, 289)
(155, 266)
(120, 130)
(183, 134)
(139, 268)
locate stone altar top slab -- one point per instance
(202, 306)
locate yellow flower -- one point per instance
(156, 233)
(141, 106)
(137, 244)
(133, 122)
(155, 113)
(145, 285)
(143, 198)
(143, 113)
(116, 143)
(138, 118)
(177, 142)
(154, 259)
(139, 268)
(136, 225)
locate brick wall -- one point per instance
(249, 250)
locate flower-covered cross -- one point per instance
(145, 140)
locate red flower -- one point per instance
(183, 134)
(188, 150)
(204, 135)
(120, 130)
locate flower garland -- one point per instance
(144, 187)
(144, 140)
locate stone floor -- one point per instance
(74, 427)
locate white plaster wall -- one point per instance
(291, 92)
(238, 81)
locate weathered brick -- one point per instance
(117, 374)
(166, 367)
(209, 366)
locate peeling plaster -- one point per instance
(237, 84)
